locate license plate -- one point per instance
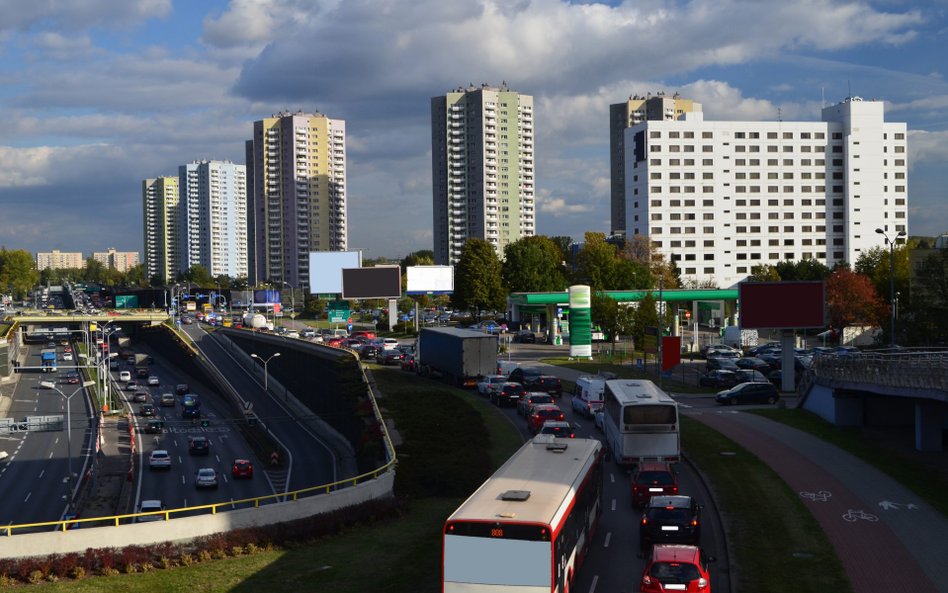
(676, 587)
(669, 528)
(655, 490)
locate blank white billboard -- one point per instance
(325, 269)
(425, 279)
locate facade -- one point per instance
(161, 221)
(214, 217)
(117, 260)
(482, 169)
(298, 163)
(720, 197)
(59, 260)
(623, 116)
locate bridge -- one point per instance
(903, 388)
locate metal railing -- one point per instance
(913, 370)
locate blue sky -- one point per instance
(96, 95)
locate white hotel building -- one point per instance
(720, 197)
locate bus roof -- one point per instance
(542, 468)
(638, 391)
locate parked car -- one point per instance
(670, 520)
(530, 399)
(540, 414)
(206, 477)
(159, 459)
(652, 478)
(720, 379)
(753, 363)
(558, 428)
(721, 364)
(526, 336)
(508, 393)
(755, 392)
(199, 446)
(241, 468)
(675, 567)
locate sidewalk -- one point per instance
(110, 491)
(887, 538)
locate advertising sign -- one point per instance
(781, 305)
(266, 297)
(430, 279)
(580, 321)
(380, 282)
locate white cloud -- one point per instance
(927, 147)
(79, 14)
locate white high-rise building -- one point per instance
(161, 227)
(481, 169)
(719, 197)
(214, 217)
(298, 171)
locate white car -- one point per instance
(388, 343)
(488, 383)
(206, 477)
(148, 506)
(159, 459)
(153, 380)
(67, 356)
(125, 376)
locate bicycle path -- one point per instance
(888, 539)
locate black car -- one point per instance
(147, 410)
(755, 392)
(719, 379)
(546, 384)
(181, 389)
(670, 520)
(199, 446)
(368, 351)
(508, 394)
(390, 356)
(524, 375)
(753, 363)
(526, 336)
(721, 364)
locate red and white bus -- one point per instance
(528, 527)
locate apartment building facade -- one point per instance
(635, 110)
(297, 167)
(59, 260)
(161, 200)
(719, 197)
(482, 169)
(116, 260)
(214, 217)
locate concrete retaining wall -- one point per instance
(187, 528)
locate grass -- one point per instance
(772, 543)
(906, 469)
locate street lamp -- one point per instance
(265, 362)
(891, 244)
(52, 385)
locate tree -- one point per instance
(533, 264)
(876, 263)
(199, 275)
(614, 320)
(599, 266)
(802, 270)
(643, 251)
(645, 315)
(17, 272)
(852, 300)
(477, 279)
(424, 257)
(764, 273)
(136, 276)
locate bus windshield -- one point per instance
(662, 414)
(509, 562)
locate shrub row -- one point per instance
(112, 561)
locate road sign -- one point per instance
(248, 406)
(339, 312)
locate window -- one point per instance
(654, 134)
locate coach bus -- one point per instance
(640, 422)
(528, 527)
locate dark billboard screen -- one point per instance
(782, 305)
(266, 297)
(380, 282)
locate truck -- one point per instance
(736, 337)
(141, 364)
(458, 356)
(48, 358)
(257, 321)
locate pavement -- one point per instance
(887, 538)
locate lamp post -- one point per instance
(265, 362)
(52, 385)
(891, 244)
(292, 299)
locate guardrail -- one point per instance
(915, 370)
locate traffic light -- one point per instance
(205, 423)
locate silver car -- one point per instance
(159, 459)
(206, 477)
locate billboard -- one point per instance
(781, 305)
(430, 279)
(580, 321)
(266, 297)
(241, 298)
(380, 282)
(325, 270)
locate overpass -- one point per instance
(882, 389)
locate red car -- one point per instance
(676, 568)
(540, 414)
(652, 478)
(335, 342)
(242, 468)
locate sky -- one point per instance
(97, 95)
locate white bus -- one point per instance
(640, 422)
(528, 527)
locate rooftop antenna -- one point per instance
(822, 98)
(779, 114)
(849, 88)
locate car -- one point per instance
(147, 410)
(652, 478)
(150, 506)
(114, 365)
(753, 363)
(241, 468)
(670, 520)
(199, 446)
(675, 567)
(525, 336)
(206, 477)
(753, 392)
(167, 400)
(131, 385)
(125, 376)
(508, 393)
(141, 373)
(355, 344)
(153, 380)
(524, 375)
(67, 356)
(181, 389)
(292, 334)
(308, 333)
(154, 427)
(388, 344)
(159, 459)
(485, 383)
(140, 396)
(390, 356)
(721, 364)
(525, 404)
(547, 384)
(72, 377)
(719, 378)
(558, 428)
(368, 351)
(540, 414)
(67, 349)
(748, 375)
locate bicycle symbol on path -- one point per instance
(821, 496)
(854, 515)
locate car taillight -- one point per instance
(644, 521)
(694, 522)
(675, 489)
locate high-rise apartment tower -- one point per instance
(162, 223)
(214, 217)
(481, 169)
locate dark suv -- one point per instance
(507, 394)
(524, 375)
(670, 520)
(546, 384)
(199, 446)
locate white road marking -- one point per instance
(612, 478)
(218, 458)
(27, 496)
(613, 504)
(56, 442)
(605, 544)
(50, 455)
(41, 474)
(182, 480)
(592, 587)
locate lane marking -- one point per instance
(592, 587)
(50, 455)
(183, 482)
(605, 544)
(612, 478)
(613, 504)
(41, 474)
(28, 495)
